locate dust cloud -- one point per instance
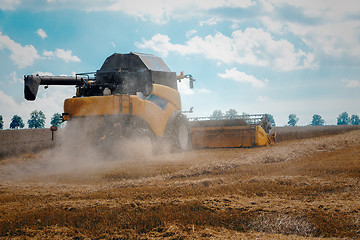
(85, 147)
(89, 149)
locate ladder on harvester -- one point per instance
(125, 103)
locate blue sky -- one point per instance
(267, 56)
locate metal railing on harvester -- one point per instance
(252, 119)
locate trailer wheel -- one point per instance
(181, 134)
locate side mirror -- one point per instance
(189, 76)
(191, 80)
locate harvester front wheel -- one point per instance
(181, 134)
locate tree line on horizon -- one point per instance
(317, 120)
(37, 120)
(342, 119)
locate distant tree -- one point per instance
(1, 122)
(231, 113)
(271, 119)
(16, 122)
(355, 120)
(343, 119)
(37, 119)
(217, 114)
(292, 120)
(56, 120)
(317, 120)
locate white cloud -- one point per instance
(190, 33)
(204, 90)
(161, 11)
(351, 83)
(334, 31)
(41, 33)
(332, 9)
(21, 56)
(262, 99)
(267, 5)
(235, 25)
(251, 46)
(65, 55)
(14, 79)
(235, 75)
(329, 16)
(211, 21)
(160, 43)
(274, 25)
(43, 73)
(25, 56)
(158, 11)
(184, 88)
(343, 41)
(9, 4)
(48, 54)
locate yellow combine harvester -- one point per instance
(136, 94)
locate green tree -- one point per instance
(16, 122)
(1, 122)
(56, 120)
(271, 119)
(317, 120)
(343, 119)
(217, 114)
(37, 119)
(292, 120)
(355, 120)
(231, 113)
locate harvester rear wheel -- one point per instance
(181, 134)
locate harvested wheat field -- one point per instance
(296, 189)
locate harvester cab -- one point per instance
(135, 91)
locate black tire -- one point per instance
(181, 134)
